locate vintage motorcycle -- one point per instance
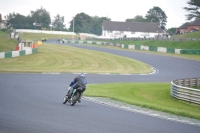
(76, 95)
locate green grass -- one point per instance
(188, 35)
(39, 36)
(167, 44)
(149, 95)
(59, 58)
(7, 44)
(198, 87)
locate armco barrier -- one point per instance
(190, 51)
(22, 52)
(153, 48)
(35, 50)
(8, 54)
(2, 55)
(28, 51)
(180, 90)
(125, 46)
(99, 43)
(162, 49)
(144, 47)
(131, 46)
(137, 47)
(17, 53)
(171, 50)
(117, 44)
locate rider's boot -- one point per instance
(79, 100)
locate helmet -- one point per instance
(82, 75)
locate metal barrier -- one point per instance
(180, 90)
(139, 38)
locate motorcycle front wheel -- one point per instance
(65, 100)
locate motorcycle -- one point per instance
(76, 95)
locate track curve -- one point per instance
(169, 68)
(33, 102)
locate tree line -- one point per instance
(154, 15)
(40, 19)
(83, 23)
(80, 23)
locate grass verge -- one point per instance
(7, 44)
(149, 95)
(188, 35)
(60, 58)
(198, 87)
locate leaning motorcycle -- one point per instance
(76, 94)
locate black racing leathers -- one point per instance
(80, 81)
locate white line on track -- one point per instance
(50, 73)
(148, 112)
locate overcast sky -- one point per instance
(117, 10)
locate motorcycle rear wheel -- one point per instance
(74, 99)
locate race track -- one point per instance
(32, 103)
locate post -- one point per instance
(197, 82)
(178, 81)
(190, 84)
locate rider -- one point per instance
(79, 81)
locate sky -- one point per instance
(117, 10)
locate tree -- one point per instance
(137, 18)
(58, 23)
(97, 27)
(8, 19)
(157, 15)
(171, 31)
(87, 24)
(129, 20)
(81, 22)
(40, 16)
(193, 9)
(17, 21)
(0, 18)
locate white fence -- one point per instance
(45, 32)
(180, 90)
(89, 35)
(55, 32)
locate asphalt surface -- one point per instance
(169, 68)
(32, 103)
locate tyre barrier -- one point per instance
(18, 53)
(180, 89)
(140, 47)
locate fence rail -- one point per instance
(156, 39)
(180, 90)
